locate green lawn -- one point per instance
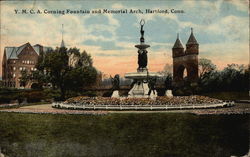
(143, 134)
(229, 95)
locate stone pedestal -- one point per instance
(140, 87)
(139, 90)
(115, 94)
(1, 154)
(168, 93)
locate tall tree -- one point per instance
(77, 59)
(234, 77)
(56, 66)
(53, 67)
(167, 70)
(205, 66)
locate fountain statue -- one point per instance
(115, 86)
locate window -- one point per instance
(14, 62)
(20, 68)
(28, 62)
(14, 68)
(14, 75)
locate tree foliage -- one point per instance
(24, 78)
(167, 70)
(205, 66)
(77, 59)
(234, 77)
(54, 67)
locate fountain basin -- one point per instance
(142, 75)
(142, 46)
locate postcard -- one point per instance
(124, 78)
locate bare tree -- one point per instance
(205, 66)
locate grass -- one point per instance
(229, 95)
(145, 134)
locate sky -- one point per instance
(221, 28)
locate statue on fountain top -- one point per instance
(142, 52)
(142, 31)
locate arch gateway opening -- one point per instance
(182, 73)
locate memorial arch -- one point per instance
(185, 60)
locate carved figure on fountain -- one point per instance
(142, 59)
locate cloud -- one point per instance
(110, 38)
(234, 28)
(117, 6)
(242, 5)
(226, 53)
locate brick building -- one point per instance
(185, 59)
(18, 59)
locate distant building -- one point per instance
(185, 59)
(18, 59)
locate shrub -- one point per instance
(107, 94)
(51, 94)
(36, 86)
(5, 99)
(35, 96)
(90, 93)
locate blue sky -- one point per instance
(220, 27)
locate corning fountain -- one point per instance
(143, 80)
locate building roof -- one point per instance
(39, 47)
(20, 48)
(8, 51)
(62, 43)
(177, 43)
(13, 52)
(192, 39)
(46, 49)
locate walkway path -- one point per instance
(47, 108)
